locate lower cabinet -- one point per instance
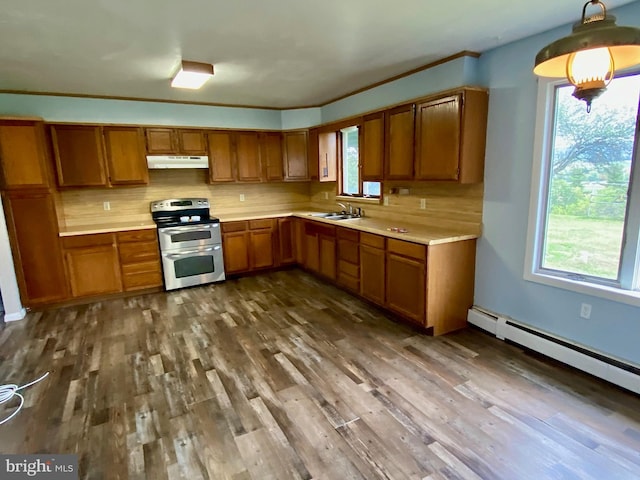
(372, 267)
(93, 266)
(406, 279)
(348, 258)
(286, 241)
(320, 249)
(33, 231)
(248, 245)
(139, 259)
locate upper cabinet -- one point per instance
(23, 155)
(398, 159)
(79, 153)
(295, 156)
(328, 155)
(126, 160)
(271, 155)
(372, 152)
(221, 158)
(450, 137)
(313, 154)
(175, 141)
(247, 150)
(80, 156)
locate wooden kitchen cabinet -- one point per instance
(372, 267)
(24, 163)
(313, 154)
(93, 264)
(235, 246)
(221, 157)
(247, 152)
(37, 256)
(372, 152)
(399, 137)
(348, 245)
(320, 249)
(296, 166)
(406, 279)
(79, 155)
(286, 241)
(299, 240)
(139, 255)
(262, 243)
(328, 155)
(126, 160)
(450, 137)
(175, 141)
(271, 156)
(248, 245)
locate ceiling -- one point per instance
(282, 53)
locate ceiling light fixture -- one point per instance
(589, 57)
(192, 75)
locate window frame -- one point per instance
(360, 197)
(626, 289)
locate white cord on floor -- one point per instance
(7, 392)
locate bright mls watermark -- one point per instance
(40, 467)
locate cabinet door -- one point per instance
(261, 248)
(300, 247)
(235, 247)
(312, 251)
(327, 256)
(33, 232)
(399, 143)
(372, 274)
(94, 270)
(313, 155)
(79, 152)
(248, 157)
(221, 165)
(23, 158)
(438, 139)
(271, 155)
(295, 156)
(191, 142)
(328, 152)
(372, 152)
(161, 141)
(125, 156)
(406, 287)
(286, 241)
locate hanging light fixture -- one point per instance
(192, 75)
(589, 57)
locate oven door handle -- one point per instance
(191, 252)
(191, 228)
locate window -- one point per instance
(585, 220)
(350, 182)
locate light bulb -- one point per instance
(590, 68)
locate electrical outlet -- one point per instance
(585, 310)
(326, 195)
(242, 197)
(423, 203)
(106, 205)
(385, 201)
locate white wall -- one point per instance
(8, 284)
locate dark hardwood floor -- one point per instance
(280, 376)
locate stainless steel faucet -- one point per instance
(346, 208)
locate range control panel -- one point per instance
(177, 204)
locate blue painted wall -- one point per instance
(614, 328)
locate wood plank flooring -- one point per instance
(281, 376)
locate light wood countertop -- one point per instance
(416, 233)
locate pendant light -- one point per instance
(590, 56)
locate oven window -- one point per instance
(190, 266)
(188, 236)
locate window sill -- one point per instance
(630, 297)
(370, 201)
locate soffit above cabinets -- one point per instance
(281, 54)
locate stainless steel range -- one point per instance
(190, 242)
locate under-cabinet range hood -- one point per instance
(165, 161)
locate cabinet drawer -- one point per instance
(348, 251)
(234, 226)
(349, 269)
(260, 224)
(137, 236)
(372, 240)
(138, 252)
(152, 266)
(349, 282)
(80, 241)
(407, 249)
(137, 281)
(348, 234)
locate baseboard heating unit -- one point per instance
(616, 371)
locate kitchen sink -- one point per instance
(334, 215)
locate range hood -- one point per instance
(164, 161)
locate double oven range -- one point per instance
(190, 242)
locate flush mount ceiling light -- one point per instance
(589, 57)
(192, 75)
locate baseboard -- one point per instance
(14, 317)
(619, 372)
